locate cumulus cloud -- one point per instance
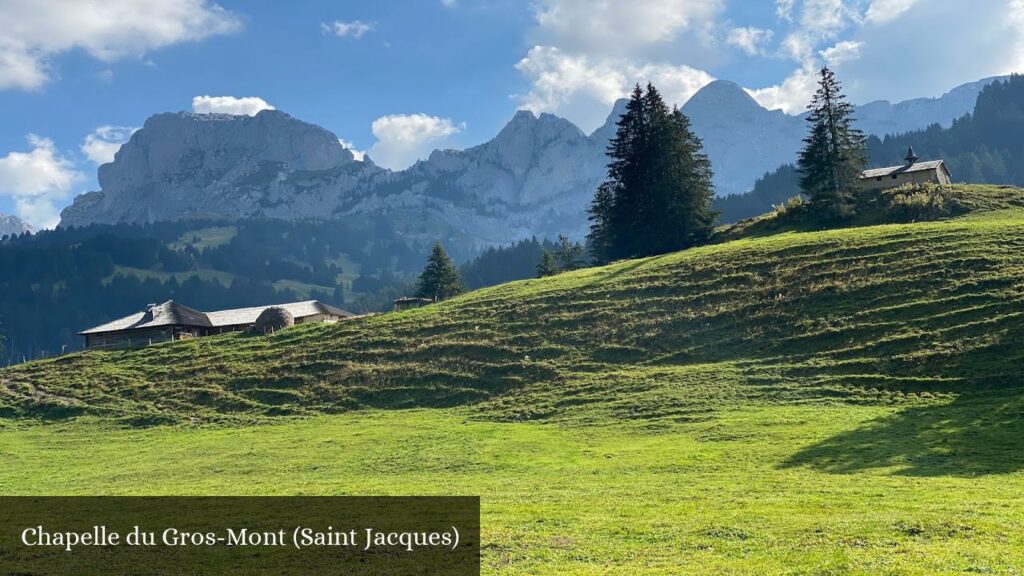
(582, 88)
(811, 43)
(38, 181)
(895, 49)
(585, 25)
(402, 139)
(575, 71)
(792, 95)
(36, 31)
(750, 40)
(359, 155)
(354, 29)
(934, 47)
(245, 106)
(882, 11)
(844, 51)
(102, 144)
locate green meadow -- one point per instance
(790, 401)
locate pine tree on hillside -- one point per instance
(657, 196)
(615, 203)
(440, 278)
(834, 154)
(601, 240)
(682, 210)
(547, 265)
(569, 255)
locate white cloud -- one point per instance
(784, 9)
(359, 155)
(402, 139)
(845, 51)
(588, 53)
(814, 22)
(792, 95)
(37, 181)
(448, 3)
(245, 106)
(102, 144)
(613, 27)
(883, 11)
(1016, 21)
(895, 49)
(933, 47)
(582, 88)
(750, 40)
(354, 29)
(34, 31)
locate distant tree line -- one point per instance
(61, 281)
(984, 147)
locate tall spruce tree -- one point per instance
(657, 196)
(440, 278)
(835, 152)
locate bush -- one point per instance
(914, 203)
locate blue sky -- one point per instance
(399, 78)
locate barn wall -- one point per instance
(143, 337)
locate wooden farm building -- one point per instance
(910, 172)
(410, 302)
(172, 321)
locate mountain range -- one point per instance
(534, 178)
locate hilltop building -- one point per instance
(172, 321)
(910, 172)
(410, 302)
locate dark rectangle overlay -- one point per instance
(211, 536)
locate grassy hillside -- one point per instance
(857, 314)
(806, 402)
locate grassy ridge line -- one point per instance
(859, 314)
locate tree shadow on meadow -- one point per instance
(977, 434)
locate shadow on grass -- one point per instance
(979, 433)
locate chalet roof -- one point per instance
(903, 169)
(239, 316)
(413, 300)
(171, 313)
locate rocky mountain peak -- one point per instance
(11, 225)
(721, 96)
(173, 145)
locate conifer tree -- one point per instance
(834, 153)
(547, 265)
(657, 196)
(569, 255)
(440, 278)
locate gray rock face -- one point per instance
(742, 139)
(184, 165)
(11, 225)
(534, 178)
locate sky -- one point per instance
(399, 78)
